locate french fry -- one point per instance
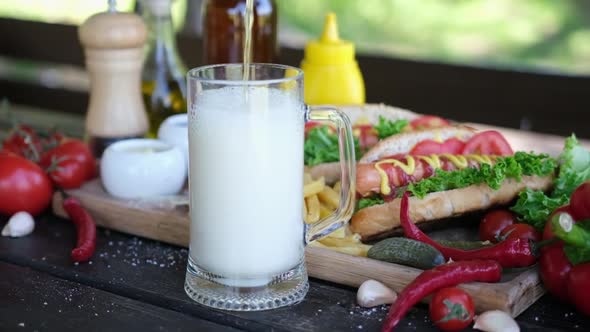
(329, 197)
(314, 188)
(325, 211)
(336, 242)
(340, 233)
(305, 211)
(313, 209)
(307, 178)
(338, 187)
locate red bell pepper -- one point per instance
(568, 282)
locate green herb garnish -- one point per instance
(321, 146)
(386, 128)
(369, 201)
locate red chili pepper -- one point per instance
(85, 227)
(446, 275)
(513, 252)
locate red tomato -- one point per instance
(488, 142)
(580, 202)
(493, 223)
(521, 231)
(577, 286)
(547, 232)
(367, 136)
(553, 269)
(69, 164)
(23, 141)
(451, 309)
(453, 146)
(24, 186)
(428, 146)
(311, 124)
(428, 122)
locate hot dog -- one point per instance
(445, 184)
(371, 123)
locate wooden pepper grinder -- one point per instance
(114, 48)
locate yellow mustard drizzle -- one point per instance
(409, 168)
(460, 162)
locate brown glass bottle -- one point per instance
(223, 31)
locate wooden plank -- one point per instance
(32, 300)
(172, 226)
(153, 272)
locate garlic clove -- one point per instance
(372, 293)
(495, 321)
(20, 224)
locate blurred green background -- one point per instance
(548, 35)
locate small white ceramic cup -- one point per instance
(174, 131)
(136, 168)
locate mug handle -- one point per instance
(348, 171)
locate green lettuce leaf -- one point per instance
(534, 207)
(321, 146)
(514, 167)
(368, 201)
(386, 128)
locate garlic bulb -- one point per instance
(372, 293)
(495, 321)
(20, 224)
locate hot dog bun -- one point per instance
(368, 113)
(379, 221)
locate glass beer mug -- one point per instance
(247, 234)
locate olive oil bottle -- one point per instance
(163, 84)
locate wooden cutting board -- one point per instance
(166, 223)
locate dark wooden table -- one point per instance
(137, 284)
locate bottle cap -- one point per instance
(329, 49)
(113, 30)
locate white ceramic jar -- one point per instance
(174, 131)
(138, 168)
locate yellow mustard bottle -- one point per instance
(331, 73)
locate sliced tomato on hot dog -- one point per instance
(428, 147)
(488, 142)
(428, 122)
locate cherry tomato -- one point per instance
(580, 202)
(451, 309)
(69, 164)
(520, 231)
(428, 122)
(547, 232)
(577, 286)
(23, 141)
(24, 186)
(493, 223)
(488, 142)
